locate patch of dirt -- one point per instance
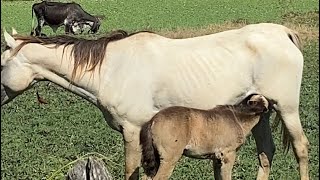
(305, 32)
(306, 24)
(310, 18)
(193, 32)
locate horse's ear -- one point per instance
(9, 39)
(14, 31)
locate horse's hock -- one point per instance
(89, 169)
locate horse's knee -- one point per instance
(133, 154)
(264, 161)
(132, 148)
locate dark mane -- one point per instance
(87, 53)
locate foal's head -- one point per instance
(256, 103)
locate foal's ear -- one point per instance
(9, 39)
(14, 31)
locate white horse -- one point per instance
(131, 77)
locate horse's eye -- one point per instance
(252, 103)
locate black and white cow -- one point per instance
(56, 14)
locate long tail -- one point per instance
(150, 155)
(286, 141)
(294, 37)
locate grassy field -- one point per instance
(38, 140)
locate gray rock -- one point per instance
(91, 169)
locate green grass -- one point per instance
(38, 140)
(166, 14)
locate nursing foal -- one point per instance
(204, 134)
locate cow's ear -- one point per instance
(14, 31)
(9, 39)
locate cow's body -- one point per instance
(56, 14)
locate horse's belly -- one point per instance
(199, 152)
(205, 83)
(203, 95)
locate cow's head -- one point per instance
(96, 25)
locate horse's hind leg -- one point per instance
(265, 146)
(133, 152)
(287, 98)
(299, 140)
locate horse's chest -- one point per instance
(198, 152)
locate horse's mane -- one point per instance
(238, 109)
(86, 52)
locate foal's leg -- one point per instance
(167, 165)
(227, 165)
(265, 146)
(223, 169)
(131, 135)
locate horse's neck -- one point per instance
(51, 65)
(246, 119)
(247, 123)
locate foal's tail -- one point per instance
(150, 155)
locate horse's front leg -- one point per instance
(223, 165)
(265, 146)
(131, 135)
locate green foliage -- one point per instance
(37, 140)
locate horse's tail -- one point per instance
(294, 37)
(150, 155)
(286, 141)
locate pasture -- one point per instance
(38, 141)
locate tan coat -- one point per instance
(207, 134)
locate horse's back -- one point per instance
(204, 71)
